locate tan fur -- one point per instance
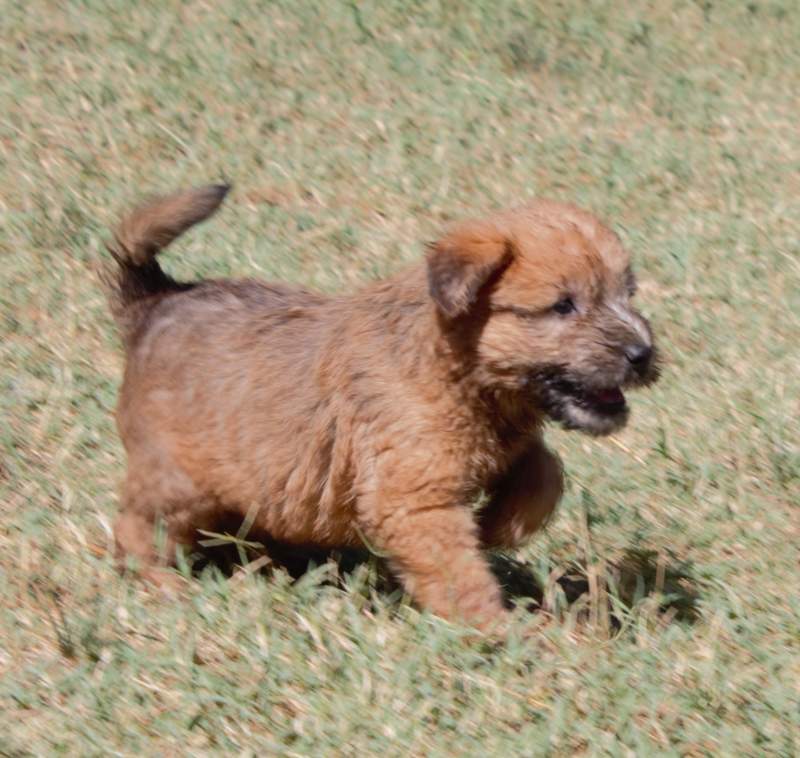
(384, 413)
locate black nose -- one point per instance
(639, 354)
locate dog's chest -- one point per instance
(490, 452)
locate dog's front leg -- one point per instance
(522, 501)
(432, 543)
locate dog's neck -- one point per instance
(447, 350)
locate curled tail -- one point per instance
(139, 238)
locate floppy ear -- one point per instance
(463, 261)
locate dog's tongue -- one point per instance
(609, 396)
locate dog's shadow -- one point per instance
(639, 575)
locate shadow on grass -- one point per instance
(639, 575)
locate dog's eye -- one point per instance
(564, 306)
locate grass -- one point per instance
(667, 618)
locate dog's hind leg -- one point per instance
(523, 500)
(146, 548)
(160, 514)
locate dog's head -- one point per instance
(545, 291)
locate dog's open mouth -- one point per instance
(597, 410)
(607, 400)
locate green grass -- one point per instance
(352, 132)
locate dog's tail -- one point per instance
(140, 236)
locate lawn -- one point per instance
(659, 614)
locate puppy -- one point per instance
(377, 416)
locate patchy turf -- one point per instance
(661, 607)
